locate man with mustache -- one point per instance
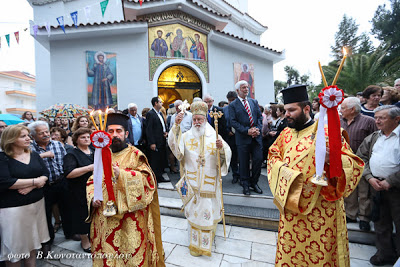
(134, 232)
(55, 190)
(199, 186)
(312, 226)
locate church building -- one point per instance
(110, 53)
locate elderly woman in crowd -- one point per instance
(23, 225)
(390, 96)
(28, 117)
(78, 167)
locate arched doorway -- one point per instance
(178, 82)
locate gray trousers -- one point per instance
(359, 202)
(389, 213)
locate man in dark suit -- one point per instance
(230, 138)
(245, 117)
(156, 133)
(221, 122)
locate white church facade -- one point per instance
(176, 49)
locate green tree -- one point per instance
(365, 46)
(278, 86)
(293, 75)
(386, 28)
(346, 37)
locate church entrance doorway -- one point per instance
(178, 82)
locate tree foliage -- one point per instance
(386, 28)
(346, 37)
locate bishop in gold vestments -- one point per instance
(132, 237)
(312, 227)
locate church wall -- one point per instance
(69, 78)
(44, 91)
(221, 61)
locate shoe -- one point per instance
(235, 180)
(163, 180)
(57, 226)
(378, 261)
(87, 250)
(45, 249)
(364, 226)
(256, 189)
(348, 220)
(246, 191)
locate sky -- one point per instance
(304, 29)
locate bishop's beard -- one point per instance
(198, 130)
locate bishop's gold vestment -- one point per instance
(312, 226)
(132, 237)
(198, 166)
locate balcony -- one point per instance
(20, 108)
(20, 93)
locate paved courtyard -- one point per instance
(243, 247)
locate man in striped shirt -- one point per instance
(358, 126)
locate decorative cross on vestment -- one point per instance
(212, 148)
(201, 160)
(193, 144)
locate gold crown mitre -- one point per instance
(199, 108)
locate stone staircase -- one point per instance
(254, 211)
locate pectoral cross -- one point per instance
(184, 106)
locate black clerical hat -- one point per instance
(295, 93)
(118, 119)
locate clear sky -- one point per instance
(305, 29)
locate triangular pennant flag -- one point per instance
(74, 16)
(48, 28)
(140, 2)
(17, 36)
(8, 39)
(87, 13)
(103, 5)
(61, 22)
(35, 29)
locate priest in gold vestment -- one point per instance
(132, 237)
(199, 186)
(312, 226)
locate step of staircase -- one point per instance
(254, 211)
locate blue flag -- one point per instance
(74, 16)
(61, 22)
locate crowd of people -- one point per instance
(46, 167)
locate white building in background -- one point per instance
(17, 92)
(230, 50)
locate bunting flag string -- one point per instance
(17, 36)
(61, 20)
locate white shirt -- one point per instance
(161, 119)
(186, 122)
(385, 158)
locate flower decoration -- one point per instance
(100, 139)
(331, 96)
